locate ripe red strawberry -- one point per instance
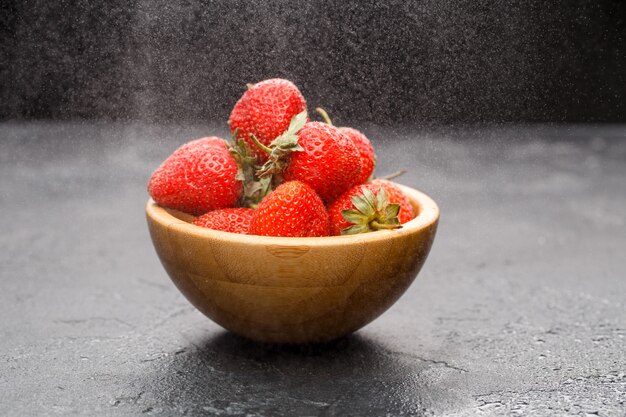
(329, 162)
(366, 153)
(379, 204)
(293, 209)
(315, 153)
(198, 177)
(234, 220)
(363, 144)
(265, 110)
(395, 195)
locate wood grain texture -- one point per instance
(292, 290)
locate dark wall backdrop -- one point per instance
(430, 61)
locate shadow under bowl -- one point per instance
(292, 290)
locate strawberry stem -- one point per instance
(392, 175)
(260, 145)
(324, 115)
(378, 226)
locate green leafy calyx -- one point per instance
(281, 147)
(372, 212)
(254, 188)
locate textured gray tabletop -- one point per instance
(520, 308)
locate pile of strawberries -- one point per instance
(282, 174)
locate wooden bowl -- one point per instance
(292, 290)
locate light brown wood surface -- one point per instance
(292, 290)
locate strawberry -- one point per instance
(198, 177)
(293, 209)
(315, 153)
(376, 205)
(366, 153)
(395, 195)
(234, 220)
(265, 111)
(363, 144)
(329, 162)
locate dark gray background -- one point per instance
(415, 62)
(518, 311)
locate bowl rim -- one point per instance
(428, 215)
